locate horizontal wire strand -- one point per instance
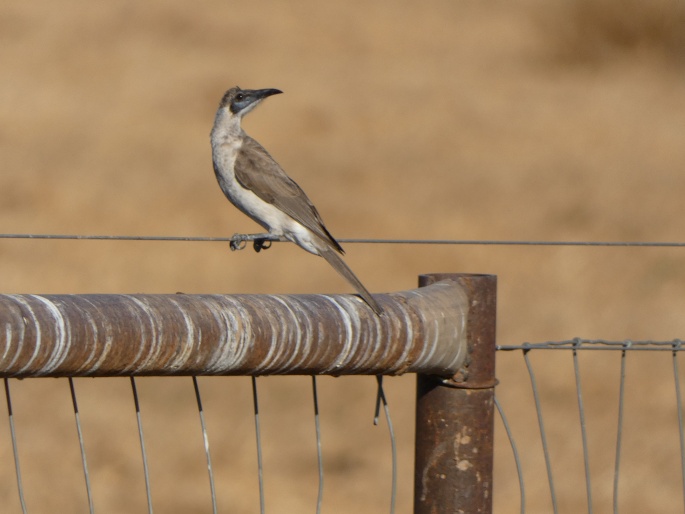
(463, 242)
(599, 344)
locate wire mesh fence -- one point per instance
(614, 443)
(65, 460)
(584, 426)
(597, 426)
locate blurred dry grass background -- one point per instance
(436, 119)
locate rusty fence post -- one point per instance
(455, 417)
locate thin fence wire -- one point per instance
(205, 440)
(583, 428)
(381, 400)
(579, 344)
(515, 453)
(386, 241)
(619, 430)
(543, 433)
(141, 437)
(679, 402)
(258, 437)
(82, 447)
(15, 449)
(319, 453)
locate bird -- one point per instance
(257, 185)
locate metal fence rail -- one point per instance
(421, 331)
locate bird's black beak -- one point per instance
(247, 99)
(260, 94)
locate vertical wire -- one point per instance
(15, 449)
(146, 472)
(377, 408)
(583, 431)
(619, 432)
(260, 469)
(380, 398)
(678, 396)
(82, 446)
(543, 436)
(205, 439)
(319, 454)
(517, 460)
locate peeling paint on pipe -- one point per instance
(421, 331)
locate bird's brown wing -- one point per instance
(257, 171)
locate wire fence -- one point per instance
(606, 436)
(535, 360)
(382, 241)
(213, 487)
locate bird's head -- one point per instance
(241, 101)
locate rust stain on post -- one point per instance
(455, 418)
(422, 330)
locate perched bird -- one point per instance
(255, 183)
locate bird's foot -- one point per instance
(237, 244)
(238, 241)
(261, 244)
(259, 241)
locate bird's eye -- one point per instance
(240, 97)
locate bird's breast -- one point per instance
(249, 202)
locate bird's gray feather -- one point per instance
(339, 265)
(257, 171)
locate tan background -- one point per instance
(435, 119)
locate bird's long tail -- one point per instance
(335, 260)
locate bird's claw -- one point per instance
(237, 242)
(261, 244)
(259, 241)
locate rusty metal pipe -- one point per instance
(422, 330)
(455, 417)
